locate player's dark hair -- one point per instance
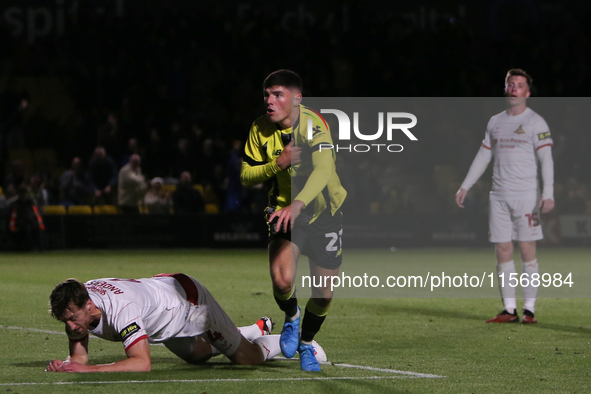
(68, 292)
(285, 78)
(521, 73)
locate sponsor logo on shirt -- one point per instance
(129, 330)
(315, 131)
(543, 136)
(520, 130)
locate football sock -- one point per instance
(313, 319)
(288, 303)
(529, 291)
(507, 292)
(251, 332)
(269, 345)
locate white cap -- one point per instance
(157, 180)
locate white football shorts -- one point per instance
(514, 220)
(217, 328)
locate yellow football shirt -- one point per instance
(314, 181)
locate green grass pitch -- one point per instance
(432, 336)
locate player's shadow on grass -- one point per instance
(228, 366)
(584, 331)
(45, 363)
(178, 364)
(450, 314)
(32, 364)
(435, 312)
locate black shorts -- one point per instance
(321, 241)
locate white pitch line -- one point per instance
(409, 373)
(392, 371)
(33, 329)
(41, 331)
(204, 380)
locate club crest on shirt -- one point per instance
(129, 330)
(543, 136)
(520, 130)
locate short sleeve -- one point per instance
(130, 326)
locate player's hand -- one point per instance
(73, 366)
(290, 155)
(54, 366)
(460, 197)
(286, 216)
(546, 205)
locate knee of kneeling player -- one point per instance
(248, 355)
(197, 359)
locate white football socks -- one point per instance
(529, 291)
(507, 292)
(269, 345)
(251, 332)
(298, 314)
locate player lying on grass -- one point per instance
(173, 309)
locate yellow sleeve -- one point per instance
(255, 168)
(323, 168)
(322, 159)
(253, 175)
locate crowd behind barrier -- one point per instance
(154, 83)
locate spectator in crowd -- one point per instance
(38, 192)
(156, 199)
(103, 177)
(132, 148)
(8, 196)
(25, 223)
(109, 134)
(185, 198)
(132, 186)
(184, 158)
(155, 157)
(15, 173)
(75, 187)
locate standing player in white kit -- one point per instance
(517, 138)
(173, 309)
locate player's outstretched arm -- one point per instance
(78, 353)
(138, 360)
(460, 197)
(476, 170)
(546, 205)
(547, 169)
